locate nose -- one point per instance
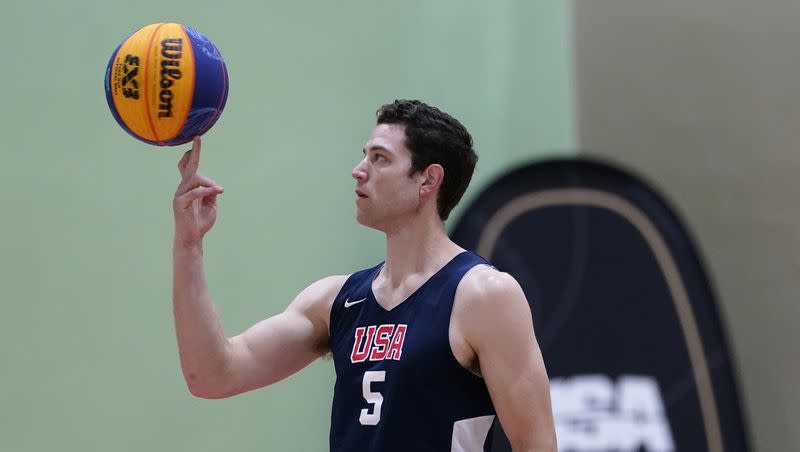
(360, 171)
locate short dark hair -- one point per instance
(433, 136)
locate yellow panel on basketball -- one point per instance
(127, 79)
(172, 73)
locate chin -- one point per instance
(363, 219)
(366, 220)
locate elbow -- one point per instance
(206, 388)
(206, 393)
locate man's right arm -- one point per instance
(213, 365)
(271, 350)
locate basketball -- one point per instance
(166, 83)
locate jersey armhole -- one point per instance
(352, 283)
(450, 322)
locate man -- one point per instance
(427, 346)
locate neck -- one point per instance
(420, 246)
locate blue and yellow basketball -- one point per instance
(166, 83)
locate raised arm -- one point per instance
(213, 365)
(496, 322)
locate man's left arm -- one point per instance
(498, 325)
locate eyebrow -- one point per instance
(375, 148)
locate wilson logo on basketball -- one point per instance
(171, 51)
(377, 343)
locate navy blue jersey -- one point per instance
(398, 385)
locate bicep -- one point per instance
(511, 363)
(273, 349)
(517, 381)
(281, 345)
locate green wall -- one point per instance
(89, 360)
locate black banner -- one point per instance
(623, 310)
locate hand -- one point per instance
(195, 202)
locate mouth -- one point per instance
(360, 194)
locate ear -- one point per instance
(432, 179)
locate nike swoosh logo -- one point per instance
(348, 303)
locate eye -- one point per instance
(377, 157)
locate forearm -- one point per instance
(201, 341)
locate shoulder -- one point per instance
(327, 285)
(321, 294)
(485, 285)
(489, 301)
(316, 299)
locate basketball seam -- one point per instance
(147, 85)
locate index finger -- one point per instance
(193, 162)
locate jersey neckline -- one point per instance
(374, 299)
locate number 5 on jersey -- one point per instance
(374, 398)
